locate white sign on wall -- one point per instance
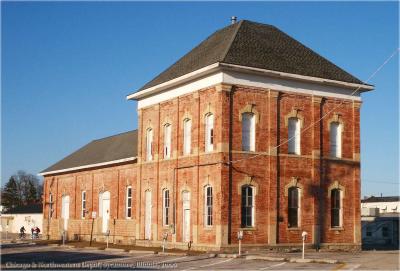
(94, 214)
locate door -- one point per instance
(65, 211)
(186, 216)
(105, 210)
(147, 219)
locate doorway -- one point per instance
(186, 216)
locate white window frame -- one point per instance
(340, 209)
(149, 144)
(166, 207)
(187, 136)
(167, 140)
(335, 139)
(248, 131)
(83, 205)
(253, 207)
(209, 132)
(294, 135)
(127, 207)
(208, 209)
(298, 205)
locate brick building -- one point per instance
(225, 142)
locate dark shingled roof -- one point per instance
(99, 151)
(36, 208)
(381, 199)
(255, 45)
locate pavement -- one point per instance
(26, 255)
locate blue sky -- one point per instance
(67, 67)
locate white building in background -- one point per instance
(380, 221)
(28, 216)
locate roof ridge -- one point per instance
(232, 40)
(102, 138)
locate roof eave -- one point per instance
(298, 77)
(219, 66)
(171, 83)
(65, 170)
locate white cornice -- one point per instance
(298, 77)
(171, 83)
(88, 166)
(224, 66)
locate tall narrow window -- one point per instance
(51, 205)
(336, 208)
(83, 204)
(129, 202)
(167, 141)
(335, 139)
(208, 206)
(293, 207)
(149, 144)
(209, 138)
(187, 136)
(247, 206)
(166, 207)
(248, 132)
(294, 136)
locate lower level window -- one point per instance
(247, 206)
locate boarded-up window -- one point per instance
(187, 136)
(149, 144)
(248, 132)
(209, 129)
(294, 136)
(167, 140)
(335, 139)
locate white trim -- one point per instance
(298, 77)
(179, 80)
(89, 166)
(218, 67)
(254, 78)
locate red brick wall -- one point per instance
(272, 168)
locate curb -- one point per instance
(133, 251)
(115, 249)
(266, 258)
(298, 260)
(291, 260)
(66, 246)
(223, 255)
(172, 253)
(53, 245)
(92, 248)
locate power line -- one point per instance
(327, 113)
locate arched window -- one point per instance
(167, 141)
(247, 206)
(293, 207)
(149, 144)
(336, 208)
(187, 136)
(335, 139)
(129, 202)
(208, 205)
(248, 132)
(165, 207)
(83, 204)
(294, 136)
(209, 129)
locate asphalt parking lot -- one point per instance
(25, 256)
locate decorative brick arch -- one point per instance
(336, 185)
(209, 110)
(250, 181)
(294, 183)
(336, 118)
(295, 113)
(185, 116)
(249, 108)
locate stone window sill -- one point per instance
(248, 229)
(336, 229)
(294, 229)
